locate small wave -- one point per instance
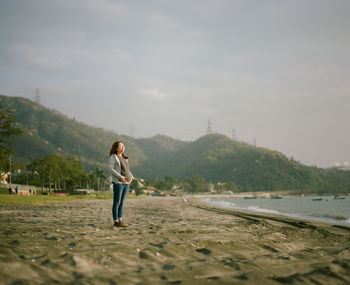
(223, 204)
(334, 217)
(330, 217)
(262, 210)
(207, 200)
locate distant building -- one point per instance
(342, 165)
(4, 177)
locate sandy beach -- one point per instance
(167, 242)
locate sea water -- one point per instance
(322, 208)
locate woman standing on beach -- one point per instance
(121, 178)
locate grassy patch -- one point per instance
(4, 190)
(46, 199)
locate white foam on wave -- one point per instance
(343, 220)
(262, 210)
(206, 200)
(222, 204)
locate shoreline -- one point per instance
(341, 221)
(260, 194)
(167, 242)
(276, 217)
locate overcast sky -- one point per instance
(277, 71)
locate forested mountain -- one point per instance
(47, 131)
(214, 157)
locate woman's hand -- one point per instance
(129, 182)
(124, 180)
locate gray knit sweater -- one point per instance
(114, 169)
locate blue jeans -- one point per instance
(119, 194)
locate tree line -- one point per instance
(9, 129)
(192, 184)
(57, 172)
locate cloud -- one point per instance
(153, 93)
(267, 68)
(106, 8)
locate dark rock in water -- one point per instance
(168, 267)
(72, 244)
(204, 251)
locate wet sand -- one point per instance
(167, 242)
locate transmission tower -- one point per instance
(37, 96)
(209, 131)
(234, 134)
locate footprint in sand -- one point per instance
(49, 263)
(144, 255)
(241, 277)
(204, 251)
(269, 248)
(175, 282)
(51, 238)
(159, 245)
(230, 262)
(168, 267)
(213, 278)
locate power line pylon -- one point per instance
(37, 96)
(234, 134)
(209, 131)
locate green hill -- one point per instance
(48, 131)
(214, 157)
(219, 158)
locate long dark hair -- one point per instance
(114, 150)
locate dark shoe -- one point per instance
(120, 224)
